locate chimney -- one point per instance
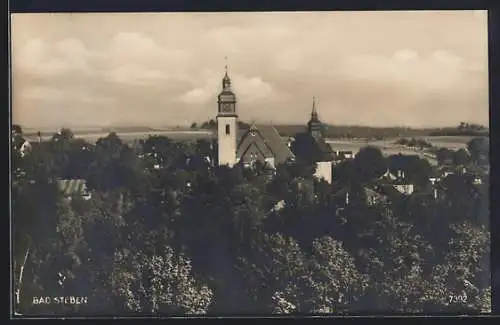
(39, 137)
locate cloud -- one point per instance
(134, 75)
(393, 68)
(140, 49)
(439, 70)
(196, 96)
(57, 95)
(36, 57)
(252, 89)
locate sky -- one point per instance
(416, 69)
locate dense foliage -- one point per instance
(167, 232)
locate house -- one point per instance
(71, 188)
(25, 148)
(434, 177)
(399, 182)
(341, 155)
(374, 195)
(446, 171)
(434, 190)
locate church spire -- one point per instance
(315, 127)
(314, 113)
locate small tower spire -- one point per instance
(314, 113)
(226, 81)
(225, 65)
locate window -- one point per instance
(228, 130)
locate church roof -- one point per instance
(267, 139)
(309, 148)
(325, 149)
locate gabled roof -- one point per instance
(71, 187)
(388, 176)
(253, 138)
(267, 140)
(326, 152)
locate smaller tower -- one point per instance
(314, 126)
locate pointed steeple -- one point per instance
(314, 113)
(314, 126)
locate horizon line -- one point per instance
(393, 126)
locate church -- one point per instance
(263, 143)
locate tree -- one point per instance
(64, 135)
(337, 284)
(479, 150)
(158, 284)
(444, 156)
(111, 145)
(306, 149)
(417, 170)
(465, 270)
(276, 274)
(461, 157)
(51, 251)
(285, 279)
(370, 163)
(193, 125)
(17, 130)
(345, 173)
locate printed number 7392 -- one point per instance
(458, 298)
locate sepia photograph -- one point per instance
(249, 163)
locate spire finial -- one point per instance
(314, 113)
(225, 65)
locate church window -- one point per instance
(228, 130)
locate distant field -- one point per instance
(131, 136)
(354, 131)
(388, 144)
(389, 147)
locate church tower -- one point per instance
(227, 127)
(314, 126)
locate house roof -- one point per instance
(267, 140)
(325, 151)
(71, 187)
(388, 176)
(307, 147)
(371, 192)
(388, 190)
(434, 173)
